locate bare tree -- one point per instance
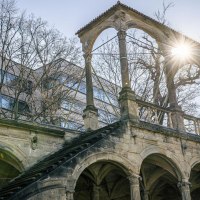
(33, 56)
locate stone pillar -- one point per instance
(184, 187)
(146, 195)
(134, 188)
(128, 106)
(96, 192)
(123, 59)
(90, 113)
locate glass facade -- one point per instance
(11, 80)
(8, 103)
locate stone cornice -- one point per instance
(165, 131)
(31, 126)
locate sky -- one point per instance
(68, 16)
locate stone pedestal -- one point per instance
(128, 106)
(177, 118)
(90, 117)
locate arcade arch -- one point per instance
(10, 167)
(195, 181)
(106, 175)
(160, 178)
(102, 180)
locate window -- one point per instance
(106, 116)
(48, 83)
(29, 87)
(11, 80)
(67, 105)
(23, 107)
(72, 83)
(105, 96)
(71, 125)
(76, 106)
(8, 103)
(7, 78)
(82, 87)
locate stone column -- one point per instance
(89, 85)
(134, 188)
(184, 187)
(90, 113)
(96, 192)
(146, 195)
(128, 106)
(123, 58)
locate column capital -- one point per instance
(96, 187)
(121, 34)
(134, 180)
(184, 187)
(69, 189)
(182, 184)
(87, 56)
(146, 191)
(69, 194)
(135, 187)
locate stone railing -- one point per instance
(192, 124)
(163, 116)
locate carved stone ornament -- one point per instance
(120, 20)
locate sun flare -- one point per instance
(181, 51)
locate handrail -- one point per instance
(191, 123)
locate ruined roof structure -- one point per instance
(126, 8)
(131, 159)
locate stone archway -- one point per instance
(195, 181)
(106, 169)
(160, 178)
(102, 180)
(10, 167)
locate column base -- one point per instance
(90, 117)
(128, 106)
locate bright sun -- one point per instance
(181, 51)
